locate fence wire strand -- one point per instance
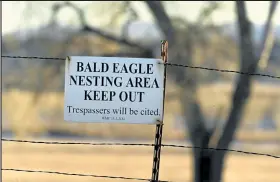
(80, 175)
(168, 64)
(137, 144)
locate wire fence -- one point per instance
(75, 174)
(128, 144)
(138, 144)
(168, 64)
(115, 144)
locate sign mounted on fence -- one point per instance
(113, 90)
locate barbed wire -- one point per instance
(129, 144)
(76, 174)
(33, 57)
(137, 144)
(169, 64)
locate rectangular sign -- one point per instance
(113, 90)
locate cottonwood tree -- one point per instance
(208, 164)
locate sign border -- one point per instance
(157, 120)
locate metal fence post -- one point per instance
(159, 126)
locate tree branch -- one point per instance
(188, 86)
(248, 64)
(207, 11)
(268, 36)
(133, 16)
(163, 20)
(89, 29)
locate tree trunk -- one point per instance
(207, 167)
(203, 160)
(202, 165)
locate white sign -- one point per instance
(113, 90)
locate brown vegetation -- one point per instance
(26, 118)
(176, 165)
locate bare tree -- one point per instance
(209, 163)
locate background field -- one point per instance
(46, 114)
(176, 165)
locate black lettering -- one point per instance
(149, 68)
(96, 80)
(108, 80)
(115, 67)
(133, 71)
(118, 83)
(87, 96)
(155, 83)
(88, 68)
(104, 67)
(76, 110)
(69, 109)
(124, 69)
(103, 96)
(81, 80)
(95, 68)
(95, 95)
(112, 94)
(140, 69)
(146, 82)
(129, 83)
(141, 96)
(123, 96)
(89, 82)
(138, 81)
(72, 78)
(130, 96)
(80, 67)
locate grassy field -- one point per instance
(176, 165)
(25, 117)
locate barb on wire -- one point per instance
(75, 174)
(138, 144)
(169, 64)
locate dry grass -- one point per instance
(123, 161)
(25, 117)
